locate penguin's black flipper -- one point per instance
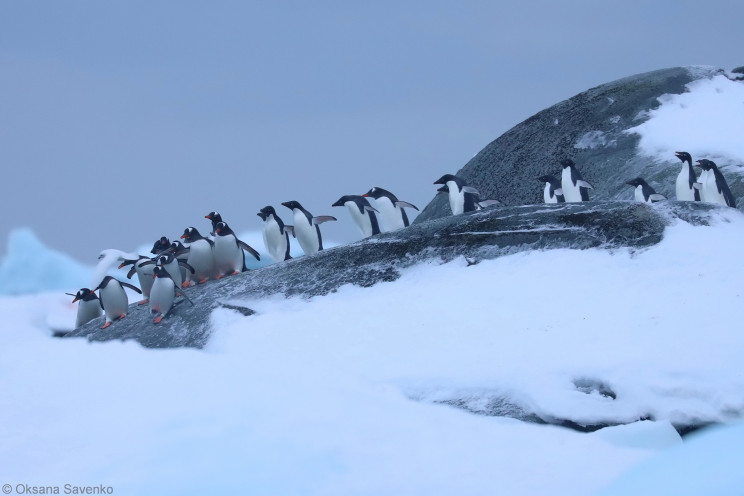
(583, 184)
(370, 208)
(724, 189)
(182, 263)
(250, 250)
(131, 286)
(131, 272)
(469, 189)
(323, 218)
(211, 243)
(403, 204)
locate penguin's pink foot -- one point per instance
(236, 272)
(143, 302)
(203, 281)
(178, 294)
(186, 284)
(122, 316)
(219, 277)
(157, 319)
(104, 326)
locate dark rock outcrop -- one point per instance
(591, 129)
(481, 235)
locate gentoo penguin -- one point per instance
(200, 258)
(114, 300)
(575, 189)
(362, 212)
(459, 199)
(89, 307)
(275, 234)
(392, 211)
(214, 217)
(307, 227)
(229, 257)
(142, 267)
(552, 192)
(714, 188)
(181, 252)
(163, 293)
(686, 179)
(160, 246)
(644, 192)
(172, 264)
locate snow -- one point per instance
(709, 463)
(342, 394)
(706, 121)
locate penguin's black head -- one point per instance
(683, 156)
(447, 177)
(292, 205)
(84, 294)
(177, 248)
(636, 182)
(705, 164)
(162, 244)
(214, 216)
(159, 271)
(341, 201)
(165, 259)
(222, 229)
(567, 162)
(190, 234)
(266, 211)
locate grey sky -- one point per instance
(121, 121)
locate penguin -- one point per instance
(459, 200)
(714, 188)
(553, 193)
(113, 299)
(575, 189)
(140, 266)
(163, 293)
(160, 246)
(307, 227)
(462, 198)
(686, 179)
(172, 264)
(200, 258)
(214, 218)
(181, 252)
(362, 212)
(275, 234)
(644, 192)
(392, 211)
(229, 257)
(89, 307)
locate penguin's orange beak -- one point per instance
(208, 217)
(183, 236)
(365, 195)
(76, 299)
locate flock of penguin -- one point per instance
(177, 264)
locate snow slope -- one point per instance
(339, 394)
(707, 121)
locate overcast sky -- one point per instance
(121, 121)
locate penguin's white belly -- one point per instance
(456, 198)
(684, 192)
(228, 256)
(711, 190)
(571, 193)
(201, 259)
(162, 295)
(306, 234)
(175, 272)
(87, 311)
(362, 220)
(145, 276)
(274, 240)
(546, 195)
(115, 301)
(638, 194)
(390, 216)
